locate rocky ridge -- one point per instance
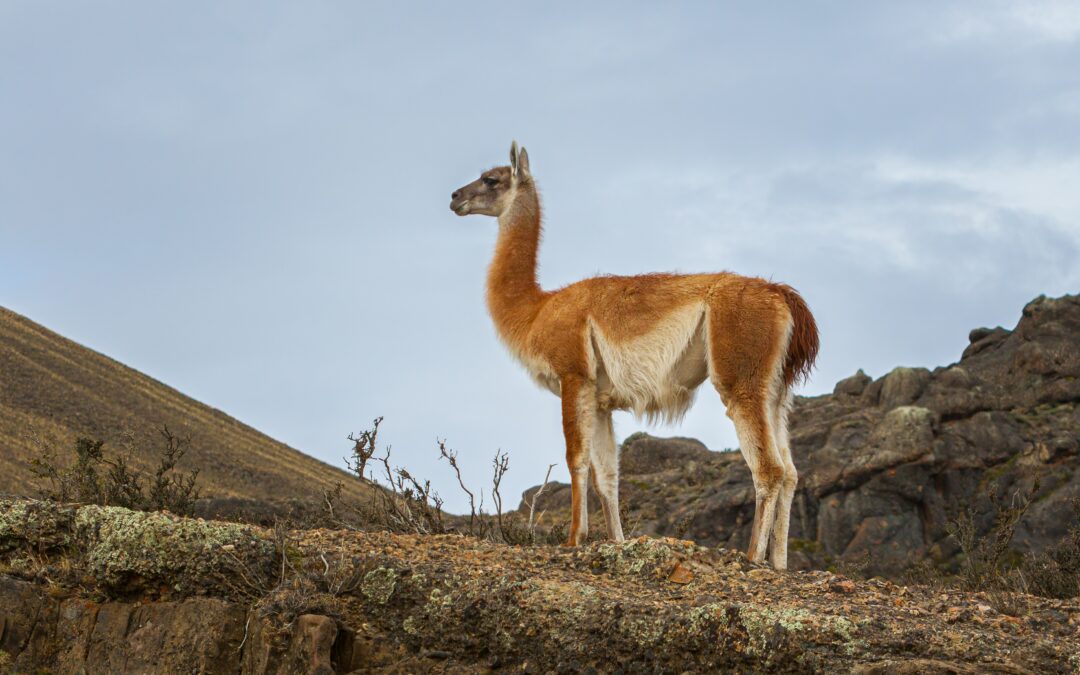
(885, 463)
(93, 589)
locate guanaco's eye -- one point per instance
(491, 182)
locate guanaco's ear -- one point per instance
(523, 165)
(513, 159)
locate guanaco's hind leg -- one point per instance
(579, 416)
(604, 463)
(753, 424)
(778, 550)
(747, 343)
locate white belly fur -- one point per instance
(655, 374)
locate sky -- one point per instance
(249, 202)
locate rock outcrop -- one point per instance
(884, 464)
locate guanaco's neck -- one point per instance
(513, 293)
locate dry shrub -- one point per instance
(91, 477)
(402, 503)
(1055, 573)
(853, 566)
(984, 563)
(299, 583)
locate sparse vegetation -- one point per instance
(92, 477)
(404, 503)
(53, 390)
(990, 565)
(1055, 572)
(983, 563)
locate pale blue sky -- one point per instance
(248, 201)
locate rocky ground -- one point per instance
(885, 464)
(102, 589)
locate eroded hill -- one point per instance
(53, 390)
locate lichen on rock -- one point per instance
(46, 525)
(379, 584)
(643, 554)
(126, 551)
(131, 547)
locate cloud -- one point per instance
(964, 224)
(256, 212)
(1040, 21)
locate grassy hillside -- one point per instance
(53, 390)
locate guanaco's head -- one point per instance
(493, 192)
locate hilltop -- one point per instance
(103, 589)
(53, 390)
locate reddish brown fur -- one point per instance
(803, 348)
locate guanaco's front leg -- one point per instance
(578, 410)
(604, 467)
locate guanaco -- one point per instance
(645, 343)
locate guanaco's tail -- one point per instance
(803, 348)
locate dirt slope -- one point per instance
(53, 390)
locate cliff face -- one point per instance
(885, 463)
(92, 589)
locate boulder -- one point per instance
(903, 386)
(852, 386)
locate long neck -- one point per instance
(513, 293)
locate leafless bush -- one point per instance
(536, 495)
(631, 522)
(500, 466)
(364, 445)
(93, 478)
(984, 565)
(478, 525)
(923, 572)
(682, 527)
(1055, 573)
(297, 584)
(400, 502)
(852, 567)
(521, 530)
(167, 490)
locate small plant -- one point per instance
(852, 567)
(682, 527)
(1055, 573)
(94, 478)
(364, 445)
(297, 583)
(984, 565)
(478, 525)
(536, 495)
